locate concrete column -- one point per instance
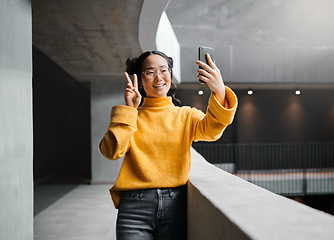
(16, 129)
(104, 95)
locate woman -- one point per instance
(150, 191)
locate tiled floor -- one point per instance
(85, 212)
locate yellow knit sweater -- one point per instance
(156, 140)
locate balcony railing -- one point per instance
(223, 206)
(284, 168)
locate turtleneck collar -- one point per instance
(158, 102)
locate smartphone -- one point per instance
(202, 51)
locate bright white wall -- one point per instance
(148, 23)
(167, 42)
(156, 33)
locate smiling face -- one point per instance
(157, 86)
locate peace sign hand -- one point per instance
(131, 95)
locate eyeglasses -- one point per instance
(152, 73)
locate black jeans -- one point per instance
(153, 214)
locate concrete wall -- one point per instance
(104, 95)
(258, 41)
(223, 206)
(16, 129)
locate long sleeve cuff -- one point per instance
(124, 115)
(224, 113)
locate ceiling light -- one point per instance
(250, 92)
(200, 92)
(297, 92)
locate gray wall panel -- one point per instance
(104, 95)
(16, 129)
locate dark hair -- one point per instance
(134, 66)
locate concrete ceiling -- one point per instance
(257, 42)
(91, 40)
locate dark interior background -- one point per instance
(275, 115)
(61, 119)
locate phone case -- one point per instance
(202, 51)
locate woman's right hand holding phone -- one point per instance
(132, 96)
(210, 74)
